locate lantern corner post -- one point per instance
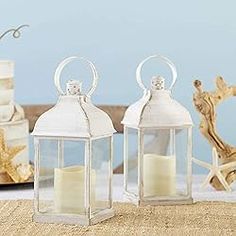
(173, 142)
(189, 160)
(36, 174)
(88, 155)
(111, 171)
(60, 147)
(140, 165)
(125, 157)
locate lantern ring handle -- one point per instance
(163, 59)
(66, 61)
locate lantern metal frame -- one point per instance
(90, 217)
(135, 122)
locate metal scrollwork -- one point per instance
(16, 32)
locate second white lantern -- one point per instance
(157, 145)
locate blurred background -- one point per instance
(198, 36)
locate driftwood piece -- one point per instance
(205, 103)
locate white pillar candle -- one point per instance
(69, 189)
(159, 175)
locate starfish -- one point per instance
(6, 156)
(215, 170)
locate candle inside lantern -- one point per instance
(69, 189)
(159, 175)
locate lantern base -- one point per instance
(167, 201)
(73, 219)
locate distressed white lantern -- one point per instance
(73, 157)
(157, 145)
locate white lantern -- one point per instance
(73, 158)
(157, 145)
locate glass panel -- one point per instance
(159, 164)
(182, 161)
(61, 177)
(100, 174)
(47, 162)
(69, 181)
(132, 161)
(165, 163)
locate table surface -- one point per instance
(208, 194)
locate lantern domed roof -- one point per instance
(74, 115)
(157, 108)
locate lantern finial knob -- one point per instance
(73, 87)
(158, 83)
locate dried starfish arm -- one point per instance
(13, 151)
(11, 171)
(8, 166)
